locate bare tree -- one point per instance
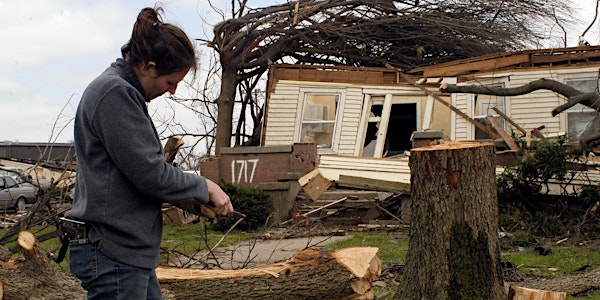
(404, 34)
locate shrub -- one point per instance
(255, 203)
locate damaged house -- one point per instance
(363, 121)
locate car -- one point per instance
(15, 195)
(15, 173)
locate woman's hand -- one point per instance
(221, 203)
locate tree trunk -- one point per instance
(225, 104)
(311, 274)
(453, 251)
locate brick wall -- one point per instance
(255, 165)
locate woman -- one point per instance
(122, 178)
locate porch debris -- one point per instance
(347, 207)
(536, 132)
(505, 136)
(373, 184)
(311, 274)
(318, 209)
(314, 184)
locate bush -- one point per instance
(523, 193)
(255, 203)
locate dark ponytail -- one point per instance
(163, 43)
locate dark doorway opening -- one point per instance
(403, 122)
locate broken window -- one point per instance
(318, 119)
(582, 120)
(372, 128)
(390, 124)
(483, 106)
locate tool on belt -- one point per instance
(74, 231)
(71, 231)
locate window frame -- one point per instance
(306, 96)
(579, 108)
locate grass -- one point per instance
(193, 238)
(393, 247)
(562, 261)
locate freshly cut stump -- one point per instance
(311, 274)
(454, 251)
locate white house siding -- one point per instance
(530, 110)
(534, 109)
(281, 115)
(387, 169)
(285, 111)
(461, 128)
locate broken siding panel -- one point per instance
(395, 170)
(349, 121)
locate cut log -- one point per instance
(521, 293)
(172, 147)
(311, 274)
(27, 242)
(35, 276)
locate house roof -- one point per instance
(561, 57)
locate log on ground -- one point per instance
(35, 276)
(311, 274)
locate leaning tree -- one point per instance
(405, 34)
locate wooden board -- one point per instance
(314, 184)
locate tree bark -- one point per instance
(454, 250)
(36, 276)
(311, 274)
(225, 104)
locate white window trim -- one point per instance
(341, 94)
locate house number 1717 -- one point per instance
(243, 170)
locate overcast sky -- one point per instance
(51, 49)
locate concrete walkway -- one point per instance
(261, 252)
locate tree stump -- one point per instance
(311, 274)
(454, 250)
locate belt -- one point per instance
(74, 230)
(71, 232)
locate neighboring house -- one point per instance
(577, 67)
(357, 114)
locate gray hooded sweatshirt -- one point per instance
(122, 177)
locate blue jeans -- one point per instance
(104, 278)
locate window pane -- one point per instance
(372, 129)
(320, 108)
(318, 119)
(318, 133)
(579, 117)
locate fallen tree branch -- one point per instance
(573, 95)
(311, 274)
